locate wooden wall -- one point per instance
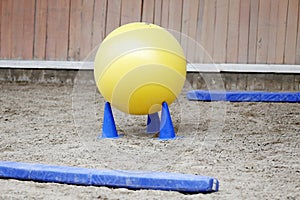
(231, 31)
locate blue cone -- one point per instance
(153, 123)
(109, 129)
(167, 131)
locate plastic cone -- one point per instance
(167, 131)
(109, 129)
(153, 123)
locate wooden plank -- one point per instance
(281, 31)
(52, 19)
(157, 12)
(244, 31)
(18, 29)
(298, 40)
(220, 33)
(148, 11)
(263, 31)
(175, 18)
(189, 28)
(62, 40)
(198, 56)
(288, 82)
(6, 29)
(291, 32)
(0, 25)
(242, 82)
(131, 11)
(28, 29)
(208, 30)
(86, 28)
(40, 29)
(272, 32)
(99, 22)
(74, 30)
(254, 6)
(233, 31)
(113, 18)
(165, 13)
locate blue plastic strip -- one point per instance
(112, 178)
(243, 96)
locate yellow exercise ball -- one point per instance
(139, 66)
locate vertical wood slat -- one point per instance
(51, 29)
(17, 29)
(113, 15)
(99, 22)
(86, 28)
(174, 21)
(281, 31)
(207, 38)
(165, 13)
(131, 11)
(57, 30)
(157, 11)
(272, 32)
(0, 25)
(220, 33)
(253, 26)
(189, 28)
(198, 57)
(6, 29)
(233, 30)
(28, 29)
(263, 31)
(148, 11)
(75, 30)
(298, 40)
(40, 29)
(291, 32)
(244, 31)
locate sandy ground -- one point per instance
(252, 148)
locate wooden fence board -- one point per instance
(99, 22)
(263, 31)
(198, 57)
(281, 31)
(175, 16)
(148, 11)
(86, 28)
(209, 27)
(157, 11)
(131, 11)
(17, 27)
(272, 32)
(254, 10)
(75, 30)
(28, 29)
(220, 33)
(244, 31)
(298, 40)
(40, 29)
(165, 13)
(233, 31)
(6, 29)
(51, 29)
(113, 18)
(189, 28)
(291, 32)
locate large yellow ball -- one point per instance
(139, 66)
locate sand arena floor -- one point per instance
(252, 148)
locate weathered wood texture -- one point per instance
(220, 31)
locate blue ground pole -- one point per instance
(186, 183)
